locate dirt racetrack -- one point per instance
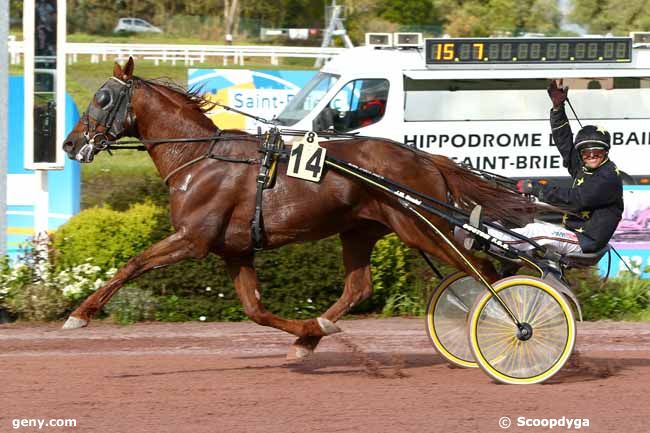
(376, 376)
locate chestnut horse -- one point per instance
(212, 201)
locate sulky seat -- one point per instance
(584, 260)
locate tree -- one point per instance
(305, 13)
(479, 18)
(229, 11)
(543, 16)
(608, 16)
(270, 14)
(410, 12)
(16, 10)
(467, 20)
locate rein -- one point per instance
(119, 145)
(110, 145)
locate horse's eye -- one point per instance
(103, 98)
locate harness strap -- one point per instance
(272, 148)
(209, 155)
(257, 223)
(183, 166)
(215, 157)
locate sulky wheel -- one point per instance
(532, 352)
(447, 317)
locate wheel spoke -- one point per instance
(448, 313)
(509, 358)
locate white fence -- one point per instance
(188, 54)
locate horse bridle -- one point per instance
(112, 110)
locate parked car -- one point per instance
(135, 25)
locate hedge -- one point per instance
(296, 281)
(108, 238)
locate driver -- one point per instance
(594, 200)
(371, 110)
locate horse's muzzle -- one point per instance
(86, 153)
(68, 148)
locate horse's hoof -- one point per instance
(74, 323)
(297, 352)
(327, 326)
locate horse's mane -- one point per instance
(195, 96)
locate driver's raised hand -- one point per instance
(558, 93)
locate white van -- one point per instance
(484, 101)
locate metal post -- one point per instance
(61, 50)
(28, 74)
(41, 198)
(4, 105)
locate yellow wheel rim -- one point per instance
(493, 335)
(447, 317)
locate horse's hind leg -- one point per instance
(246, 283)
(170, 250)
(357, 249)
(416, 234)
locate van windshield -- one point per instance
(308, 97)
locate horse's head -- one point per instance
(108, 116)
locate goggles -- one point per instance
(593, 153)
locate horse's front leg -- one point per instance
(168, 251)
(357, 250)
(242, 272)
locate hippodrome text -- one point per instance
(430, 142)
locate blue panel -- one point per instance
(269, 79)
(299, 78)
(638, 258)
(15, 162)
(266, 83)
(21, 221)
(213, 84)
(64, 186)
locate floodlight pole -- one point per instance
(334, 27)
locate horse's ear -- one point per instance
(127, 73)
(117, 71)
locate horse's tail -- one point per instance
(469, 190)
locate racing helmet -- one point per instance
(592, 137)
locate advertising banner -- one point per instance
(632, 237)
(263, 93)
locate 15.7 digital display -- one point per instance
(528, 50)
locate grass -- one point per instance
(84, 78)
(129, 163)
(151, 38)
